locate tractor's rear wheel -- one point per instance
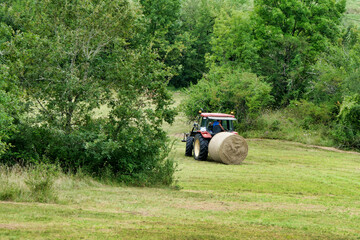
(189, 146)
(200, 147)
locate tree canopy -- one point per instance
(71, 58)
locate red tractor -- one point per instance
(208, 125)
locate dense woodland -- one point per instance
(288, 69)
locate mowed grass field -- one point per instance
(282, 190)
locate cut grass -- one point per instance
(282, 191)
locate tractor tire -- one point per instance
(200, 147)
(189, 146)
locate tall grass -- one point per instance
(39, 183)
(279, 124)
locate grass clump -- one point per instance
(30, 184)
(12, 183)
(39, 183)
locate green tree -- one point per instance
(9, 93)
(226, 90)
(61, 52)
(6, 109)
(291, 35)
(197, 19)
(338, 83)
(162, 30)
(233, 43)
(71, 57)
(280, 40)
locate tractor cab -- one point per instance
(216, 124)
(211, 123)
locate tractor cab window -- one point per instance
(225, 124)
(203, 122)
(228, 125)
(210, 125)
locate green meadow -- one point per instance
(283, 190)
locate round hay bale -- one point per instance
(228, 148)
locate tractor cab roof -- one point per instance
(218, 116)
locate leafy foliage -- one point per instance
(69, 81)
(278, 40)
(9, 106)
(233, 43)
(291, 35)
(226, 90)
(347, 131)
(73, 57)
(197, 19)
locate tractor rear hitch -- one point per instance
(185, 137)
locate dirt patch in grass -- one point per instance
(251, 206)
(206, 206)
(13, 226)
(113, 211)
(29, 203)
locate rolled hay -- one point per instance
(228, 148)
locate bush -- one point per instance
(310, 113)
(40, 144)
(345, 136)
(226, 90)
(135, 155)
(347, 129)
(8, 106)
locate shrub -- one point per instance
(8, 106)
(133, 154)
(347, 129)
(345, 136)
(226, 90)
(311, 113)
(37, 144)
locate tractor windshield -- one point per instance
(227, 123)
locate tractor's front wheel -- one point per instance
(189, 146)
(200, 147)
